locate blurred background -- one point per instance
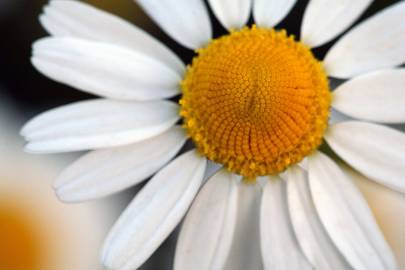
(37, 232)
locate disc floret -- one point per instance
(255, 101)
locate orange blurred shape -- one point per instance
(20, 242)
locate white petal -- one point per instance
(376, 151)
(324, 20)
(277, 236)
(104, 172)
(346, 216)
(312, 237)
(98, 123)
(378, 96)
(78, 19)
(186, 21)
(385, 205)
(207, 232)
(376, 43)
(104, 69)
(268, 13)
(245, 253)
(154, 213)
(231, 13)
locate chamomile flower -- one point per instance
(257, 102)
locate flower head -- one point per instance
(257, 102)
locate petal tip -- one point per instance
(67, 196)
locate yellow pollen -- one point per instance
(255, 101)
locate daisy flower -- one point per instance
(255, 101)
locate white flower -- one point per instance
(255, 101)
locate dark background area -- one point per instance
(30, 92)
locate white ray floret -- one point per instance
(268, 13)
(233, 14)
(347, 217)
(311, 235)
(80, 20)
(376, 151)
(104, 69)
(376, 43)
(98, 123)
(106, 171)
(324, 20)
(277, 235)
(154, 213)
(186, 21)
(245, 251)
(207, 232)
(378, 96)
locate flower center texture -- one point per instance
(255, 101)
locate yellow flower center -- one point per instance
(255, 101)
